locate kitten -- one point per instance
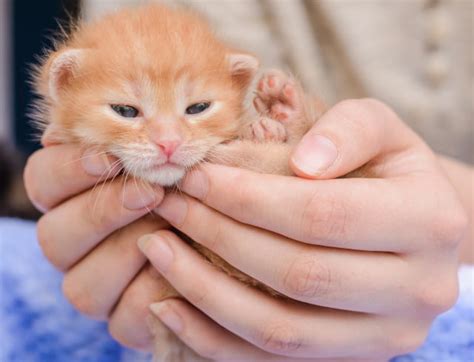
(155, 88)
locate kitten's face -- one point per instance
(164, 127)
(158, 119)
(158, 124)
(152, 86)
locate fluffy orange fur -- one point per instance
(160, 61)
(157, 60)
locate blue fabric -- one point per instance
(37, 323)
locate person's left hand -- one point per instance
(367, 262)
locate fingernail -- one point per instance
(95, 162)
(315, 154)
(138, 196)
(169, 317)
(156, 249)
(173, 209)
(144, 241)
(196, 184)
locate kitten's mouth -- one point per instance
(164, 174)
(166, 166)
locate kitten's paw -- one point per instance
(279, 97)
(266, 129)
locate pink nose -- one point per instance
(168, 147)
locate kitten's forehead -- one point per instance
(188, 88)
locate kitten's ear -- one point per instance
(242, 67)
(62, 68)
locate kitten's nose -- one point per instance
(168, 147)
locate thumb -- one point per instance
(348, 136)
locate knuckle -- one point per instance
(375, 105)
(81, 299)
(217, 237)
(365, 116)
(306, 278)
(348, 105)
(30, 180)
(120, 332)
(376, 110)
(324, 218)
(279, 338)
(131, 323)
(437, 296)
(137, 304)
(411, 342)
(46, 242)
(450, 227)
(197, 294)
(406, 340)
(244, 197)
(97, 216)
(361, 109)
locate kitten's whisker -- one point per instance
(145, 185)
(136, 184)
(104, 182)
(109, 171)
(82, 158)
(127, 173)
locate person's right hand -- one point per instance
(89, 231)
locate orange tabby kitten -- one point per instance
(155, 88)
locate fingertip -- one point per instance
(144, 242)
(157, 250)
(140, 196)
(167, 315)
(300, 173)
(31, 184)
(173, 208)
(313, 156)
(98, 163)
(196, 184)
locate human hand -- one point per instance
(368, 262)
(90, 232)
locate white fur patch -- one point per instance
(168, 175)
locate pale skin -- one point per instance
(376, 254)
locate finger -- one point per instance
(128, 321)
(116, 260)
(312, 274)
(72, 229)
(348, 136)
(210, 340)
(204, 336)
(56, 173)
(277, 326)
(343, 213)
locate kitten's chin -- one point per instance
(164, 175)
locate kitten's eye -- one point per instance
(124, 110)
(198, 108)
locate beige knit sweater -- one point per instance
(416, 55)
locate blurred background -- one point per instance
(26, 28)
(416, 55)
